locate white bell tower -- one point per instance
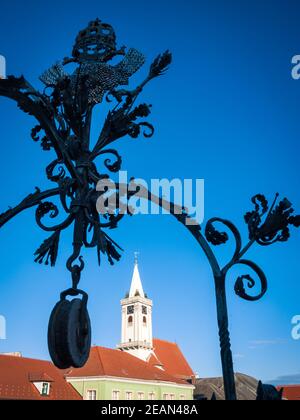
(137, 319)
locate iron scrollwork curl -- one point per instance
(112, 166)
(266, 225)
(216, 238)
(239, 287)
(51, 209)
(51, 168)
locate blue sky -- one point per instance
(228, 112)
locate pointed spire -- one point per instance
(136, 258)
(136, 288)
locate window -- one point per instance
(141, 396)
(145, 321)
(144, 310)
(91, 395)
(130, 321)
(169, 397)
(45, 389)
(129, 395)
(130, 310)
(182, 397)
(116, 395)
(151, 396)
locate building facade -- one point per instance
(115, 375)
(128, 390)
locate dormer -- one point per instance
(42, 383)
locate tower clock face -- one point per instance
(130, 310)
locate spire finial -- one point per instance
(136, 258)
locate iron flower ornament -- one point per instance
(276, 226)
(64, 112)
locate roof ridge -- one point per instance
(154, 355)
(39, 376)
(166, 341)
(25, 358)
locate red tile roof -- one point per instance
(172, 359)
(291, 392)
(154, 361)
(39, 377)
(17, 375)
(116, 363)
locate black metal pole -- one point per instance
(226, 353)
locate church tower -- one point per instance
(137, 319)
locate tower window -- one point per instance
(130, 310)
(144, 310)
(144, 321)
(130, 321)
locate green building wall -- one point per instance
(105, 388)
